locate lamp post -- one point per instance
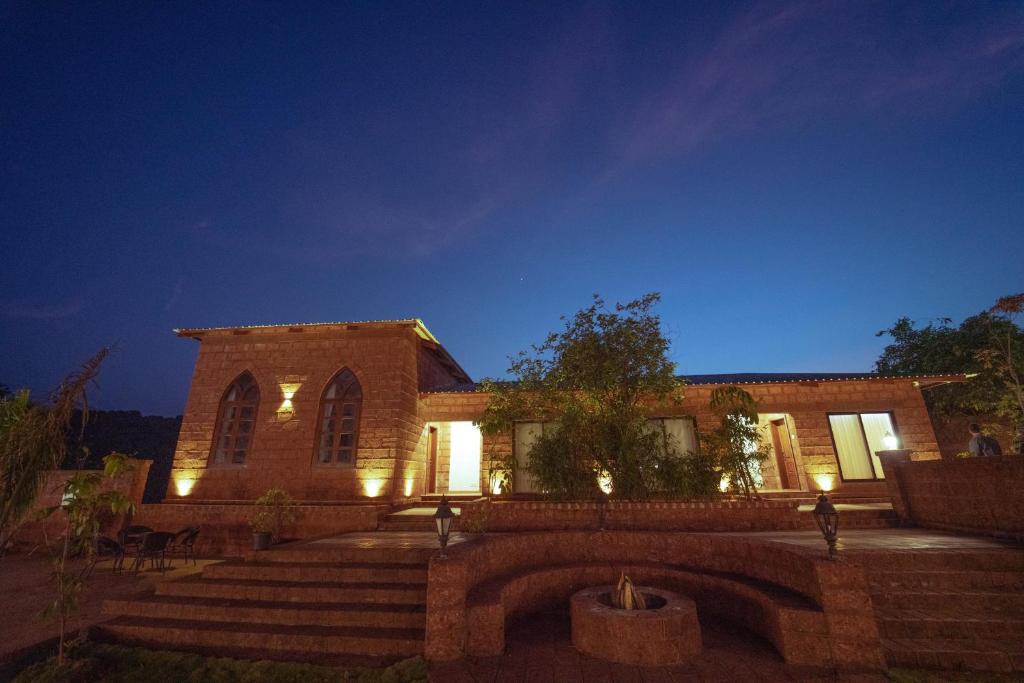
(827, 517)
(443, 519)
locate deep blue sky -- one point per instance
(792, 178)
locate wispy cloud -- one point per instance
(778, 64)
(36, 311)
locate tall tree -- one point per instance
(598, 380)
(33, 441)
(988, 346)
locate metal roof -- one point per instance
(755, 378)
(189, 331)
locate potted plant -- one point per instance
(275, 510)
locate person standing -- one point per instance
(981, 445)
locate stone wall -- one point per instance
(131, 484)
(806, 405)
(224, 528)
(849, 642)
(512, 515)
(385, 358)
(975, 495)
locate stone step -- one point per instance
(953, 654)
(991, 580)
(316, 554)
(294, 591)
(330, 640)
(894, 623)
(1000, 604)
(407, 524)
(331, 572)
(942, 560)
(265, 612)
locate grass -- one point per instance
(89, 662)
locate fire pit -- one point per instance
(665, 633)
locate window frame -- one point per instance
(691, 418)
(222, 405)
(863, 433)
(357, 416)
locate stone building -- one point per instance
(379, 410)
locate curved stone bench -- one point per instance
(791, 622)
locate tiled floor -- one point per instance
(540, 650)
(887, 539)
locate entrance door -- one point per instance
(782, 445)
(432, 460)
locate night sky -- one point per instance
(792, 178)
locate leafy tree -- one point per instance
(597, 380)
(85, 502)
(33, 441)
(735, 445)
(987, 346)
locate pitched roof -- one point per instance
(755, 378)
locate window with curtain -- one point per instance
(680, 433)
(236, 420)
(338, 426)
(857, 438)
(524, 435)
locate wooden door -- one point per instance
(432, 460)
(783, 448)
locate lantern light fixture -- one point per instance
(443, 519)
(827, 517)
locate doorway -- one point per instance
(432, 460)
(782, 447)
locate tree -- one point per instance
(84, 502)
(987, 346)
(32, 442)
(1005, 358)
(597, 382)
(735, 445)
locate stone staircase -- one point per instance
(310, 602)
(415, 518)
(953, 611)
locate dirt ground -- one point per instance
(26, 588)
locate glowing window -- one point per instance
(857, 438)
(338, 426)
(236, 421)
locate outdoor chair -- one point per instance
(107, 548)
(131, 536)
(153, 547)
(184, 542)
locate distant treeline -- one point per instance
(150, 437)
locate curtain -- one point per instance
(525, 435)
(876, 426)
(681, 433)
(854, 462)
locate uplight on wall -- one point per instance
(373, 487)
(184, 485)
(825, 482)
(408, 487)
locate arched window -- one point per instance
(339, 421)
(235, 421)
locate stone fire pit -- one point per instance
(665, 633)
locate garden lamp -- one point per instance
(827, 517)
(890, 441)
(443, 519)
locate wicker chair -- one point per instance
(131, 536)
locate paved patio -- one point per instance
(540, 650)
(888, 539)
